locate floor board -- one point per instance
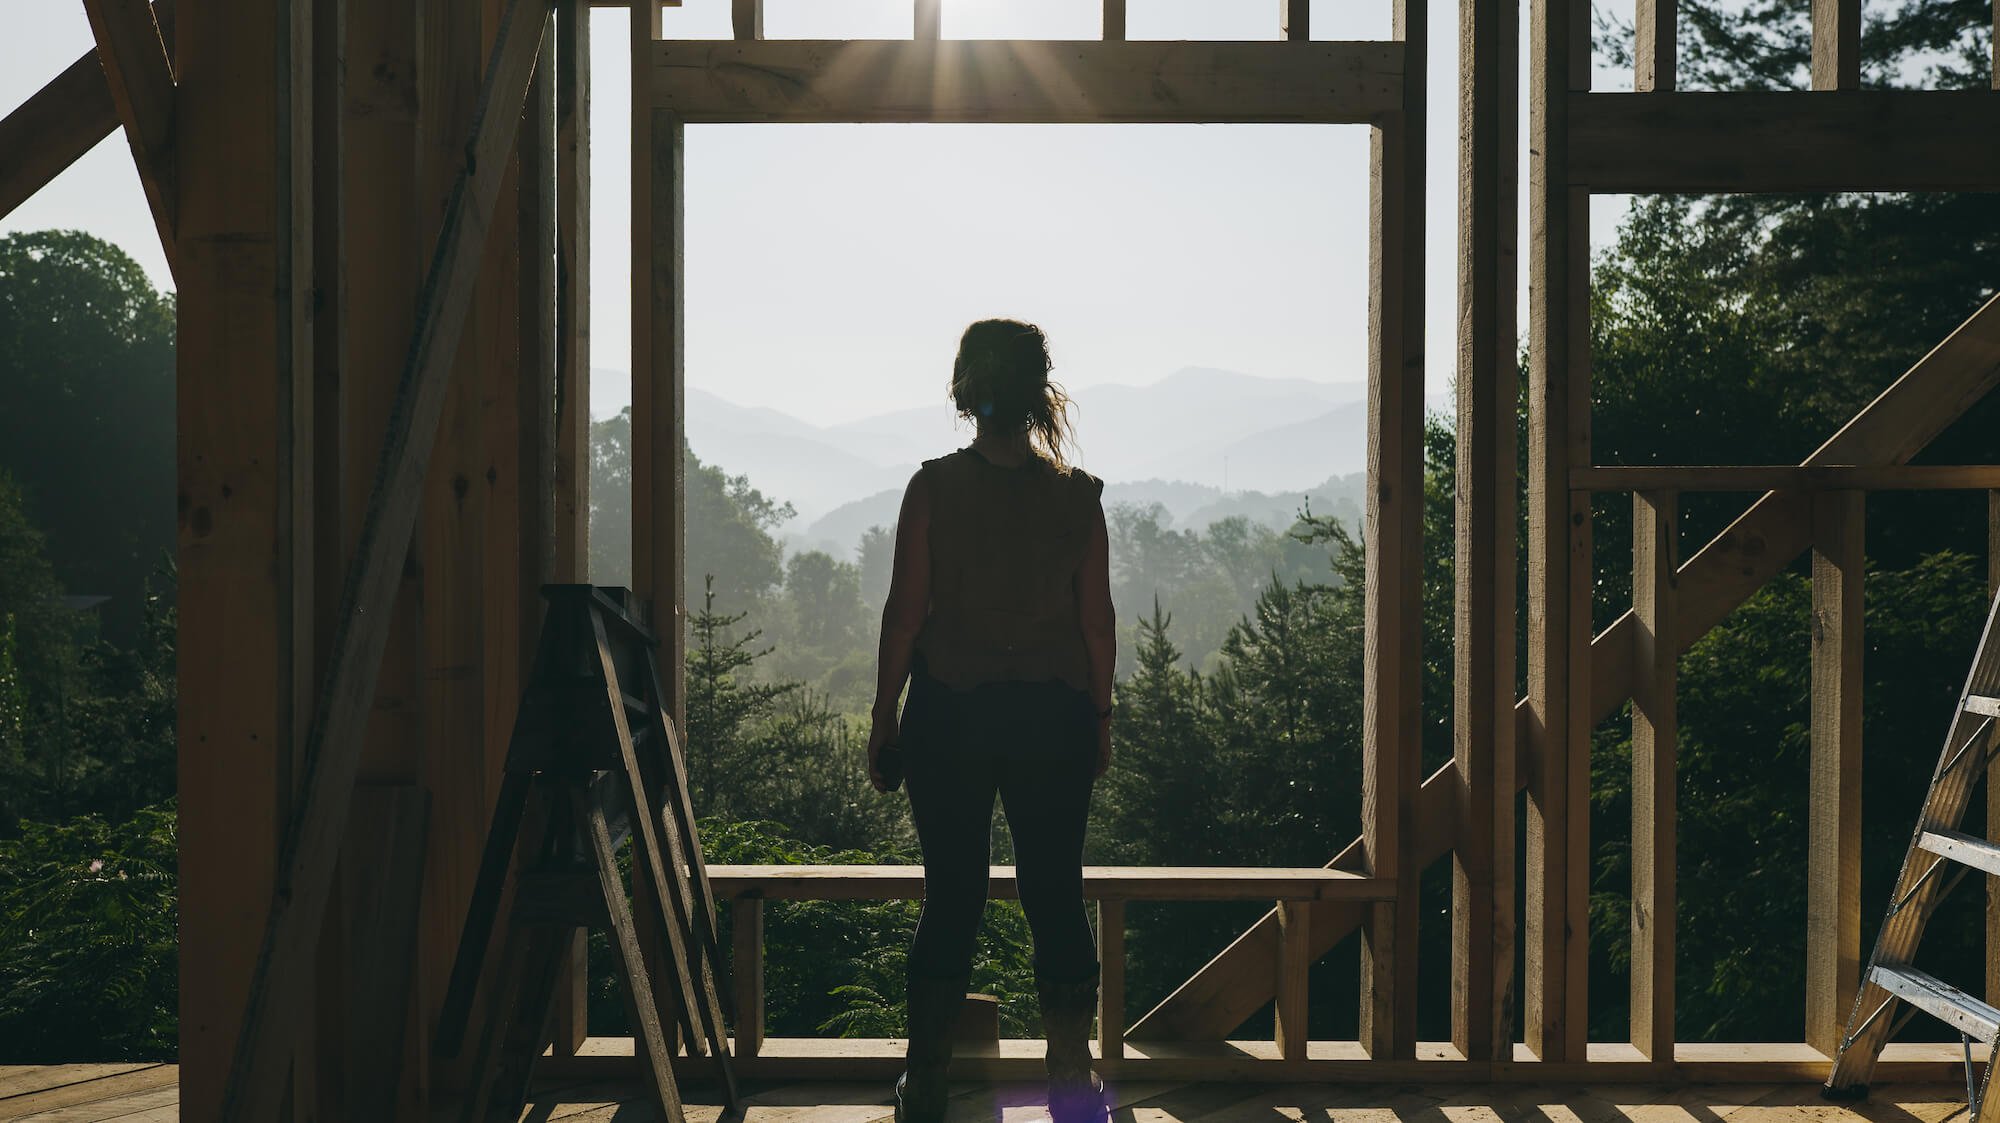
(145, 1093)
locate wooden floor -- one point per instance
(143, 1093)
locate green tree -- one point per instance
(87, 411)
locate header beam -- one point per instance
(1027, 82)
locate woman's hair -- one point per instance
(1001, 381)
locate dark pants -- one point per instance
(1035, 746)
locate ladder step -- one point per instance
(1985, 707)
(1939, 999)
(1962, 848)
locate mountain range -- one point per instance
(1189, 441)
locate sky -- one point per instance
(831, 268)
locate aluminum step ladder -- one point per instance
(1940, 856)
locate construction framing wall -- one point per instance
(377, 213)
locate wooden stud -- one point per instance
(1392, 722)
(747, 18)
(1654, 745)
(312, 841)
(237, 639)
(929, 22)
(1114, 20)
(1993, 768)
(1836, 44)
(1294, 966)
(746, 970)
(66, 118)
(1757, 140)
(1558, 721)
(1295, 20)
(1482, 913)
(1654, 54)
(1833, 860)
(732, 81)
(1111, 983)
(141, 80)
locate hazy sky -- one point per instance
(831, 267)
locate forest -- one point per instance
(1724, 330)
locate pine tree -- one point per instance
(722, 704)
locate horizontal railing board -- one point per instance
(1026, 82)
(1100, 883)
(1790, 477)
(880, 1059)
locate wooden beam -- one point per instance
(929, 22)
(1655, 735)
(1655, 58)
(66, 118)
(746, 972)
(1833, 859)
(1795, 477)
(1482, 914)
(1294, 967)
(312, 840)
(1555, 731)
(1114, 20)
(1836, 44)
(888, 81)
(1993, 767)
(1100, 883)
(141, 81)
(1295, 20)
(1111, 983)
(1392, 738)
(1857, 140)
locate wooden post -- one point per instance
(929, 19)
(1294, 965)
(572, 398)
(1655, 58)
(1654, 745)
(1391, 735)
(1482, 913)
(1295, 20)
(1836, 44)
(1833, 861)
(746, 972)
(1559, 546)
(747, 18)
(1993, 767)
(243, 574)
(1114, 20)
(1111, 983)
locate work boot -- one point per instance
(1076, 1094)
(922, 1090)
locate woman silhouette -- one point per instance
(999, 616)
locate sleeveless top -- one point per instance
(1005, 546)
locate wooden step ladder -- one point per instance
(1940, 856)
(592, 751)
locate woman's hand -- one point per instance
(882, 732)
(1103, 747)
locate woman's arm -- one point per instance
(902, 617)
(1100, 628)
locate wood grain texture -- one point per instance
(1483, 914)
(1654, 56)
(1833, 860)
(1655, 739)
(887, 81)
(1836, 44)
(312, 840)
(746, 971)
(1853, 140)
(1294, 967)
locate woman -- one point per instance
(999, 616)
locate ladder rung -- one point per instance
(1984, 707)
(1963, 849)
(1939, 999)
